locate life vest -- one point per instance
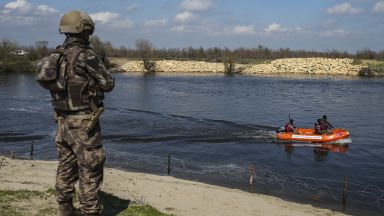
(287, 127)
(323, 125)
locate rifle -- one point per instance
(94, 117)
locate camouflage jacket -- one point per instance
(87, 79)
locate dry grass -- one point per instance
(26, 202)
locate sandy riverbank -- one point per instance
(317, 66)
(168, 194)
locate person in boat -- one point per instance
(325, 124)
(290, 127)
(318, 127)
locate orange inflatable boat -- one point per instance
(308, 135)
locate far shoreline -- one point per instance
(298, 67)
(277, 67)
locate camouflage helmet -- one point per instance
(76, 22)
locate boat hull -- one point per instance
(308, 135)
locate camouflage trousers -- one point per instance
(81, 158)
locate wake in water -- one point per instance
(341, 142)
(185, 130)
(345, 141)
(148, 127)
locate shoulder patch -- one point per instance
(91, 59)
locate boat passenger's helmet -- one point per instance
(318, 121)
(324, 116)
(291, 120)
(76, 22)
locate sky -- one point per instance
(320, 25)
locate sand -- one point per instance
(167, 194)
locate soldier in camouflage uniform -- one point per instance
(78, 138)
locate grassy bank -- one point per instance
(18, 64)
(42, 203)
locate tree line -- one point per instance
(144, 49)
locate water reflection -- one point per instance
(332, 148)
(320, 151)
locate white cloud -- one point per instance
(185, 17)
(379, 7)
(112, 19)
(274, 27)
(23, 13)
(132, 7)
(19, 5)
(196, 5)
(45, 10)
(345, 8)
(22, 7)
(156, 23)
(105, 17)
(244, 30)
(180, 28)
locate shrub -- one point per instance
(17, 64)
(371, 71)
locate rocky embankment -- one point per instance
(307, 66)
(319, 66)
(177, 66)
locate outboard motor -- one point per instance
(280, 129)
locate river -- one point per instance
(214, 126)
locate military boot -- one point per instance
(94, 214)
(67, 210)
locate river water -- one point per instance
(214, 126)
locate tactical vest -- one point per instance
(76, 95)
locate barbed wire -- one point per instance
(370, 195)
(320, 189)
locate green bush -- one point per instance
(356, 62)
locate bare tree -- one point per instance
(6, 47)
(229, 64)
(145, 51)
(98, 46)
(42, 48)
(103, 50)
